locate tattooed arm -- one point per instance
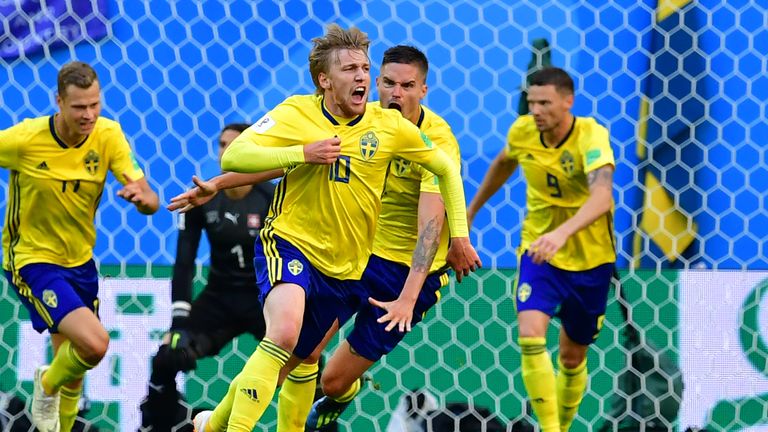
(600, 199)
(431, 219)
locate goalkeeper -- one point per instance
(229, 304)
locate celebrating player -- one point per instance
(318, 236)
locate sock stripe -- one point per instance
(274, 350)
(533, 350)
(303, 378)
(351, 393)
(77, 359)
(69, 393)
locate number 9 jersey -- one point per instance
(556, 179)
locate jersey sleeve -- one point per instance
(275, 141)
(597, 150)
(190, 227)
(444, 139)
(122, 161)
(11, 144)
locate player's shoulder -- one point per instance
(32, 125)
(522, 129)
(590, 130)
(106, 125)
(590, 124)
(301, 102)
(432, 120)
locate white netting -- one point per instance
(691, 195)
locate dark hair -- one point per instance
(406, 54)
(75, 73)
(553, 76)
(334, 39)
(237, 127)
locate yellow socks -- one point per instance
(295, 398)
(220, 417)
(256, 385)
(67, 366)
(571, 384)
(350, 393)
(539, 380)
(68, 409)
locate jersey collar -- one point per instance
(333, 120)
(58, 140)
(421, 117)
(568, 135)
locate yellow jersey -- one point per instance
(556, 179)
(54, 190)
(397, 230)
(329, 212)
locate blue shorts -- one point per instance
(327, 298)
(578, 298)
(50, 292)
(383, 280)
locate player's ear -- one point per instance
(322, 78)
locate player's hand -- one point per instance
(177, 352)
(133, 192)
(462, 257)
(323, 152)
(399, 313)
(203, 192)
(545, 247)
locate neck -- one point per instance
(555, 136)
(65, 134)
(238, 192)
(334, 109)
(414, 116)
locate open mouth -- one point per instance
(358, 95)
(395, 105)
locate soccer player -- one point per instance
(567, 252)
(228, 306)
(318, 236)
(58, 166)
(409, 249)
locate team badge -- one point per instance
(524, 292)
(91, 162)
(50, 299)
(254, 220)
(368, 145)
(295, 267)
(567, 163)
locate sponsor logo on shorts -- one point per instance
(524, 292)
(295, 267)
(50, 299)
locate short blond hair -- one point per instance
(75, 73)
(335, 38)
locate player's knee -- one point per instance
(572, 357)
(333, 386)
(94, 348)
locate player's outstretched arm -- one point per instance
(600, 201)
(500, 170)
(246, 156)
(139, 193)
(431, 219)
(205, 190)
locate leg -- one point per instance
(83, 343)
(341, 383)
(69, 393)
(298, 392)
(255, 386)
(571, 378)
(538, 372)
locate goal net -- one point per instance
(680, 84)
